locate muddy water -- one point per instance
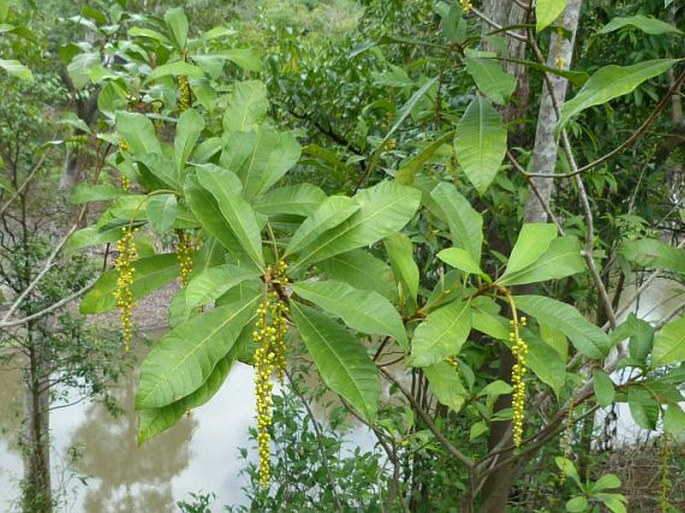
(113, 474)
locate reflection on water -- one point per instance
(199, 453)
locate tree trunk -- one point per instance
(497, 486)
(37, 491)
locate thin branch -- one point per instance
(497, 26)
(428, 421)
(21, 188)
(46, 267)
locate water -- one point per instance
(199, 453)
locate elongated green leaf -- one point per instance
(568, 468)
(150, 273)
(93, 236)
(610, 82)
(247, 106)
(161, 212)
(134, 32)
(156, 171)
(587, 338)
(604, 388)
(577, 504)
(190, 125)
(465, 224)
(175, 69)
(301, 200)
(214, 282)
(547, 11)
(332, 212)
(177, 21)
(138, 132)
(546, 363)
(154, 421)
(532, 242)
(384, 209)
(16, 69)
(445, 384)
(410, 166)
(205, 208)
(260, 158)
(362, 271)
(490, 78)
(481, 143)
(441, 334)
(85, 192)
(562, 258)
(641, 336)
(669, 344)
(486, 319)
(226, 188)
(184, 358)
(363, 310)
(644, 408)
(674, 420)
(460, 259)
(654, 253)
(401, 254)
(647, 24)
(245, 58)
(342, 362)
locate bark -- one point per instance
(37, 490)
(497, 486)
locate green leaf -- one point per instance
(260, 158)
(669, 344)
(362, 271)
(78, 69)
(226, 188)
(150, 273)
(641, 336)
(465, 224)
(177, 21)
(384, 209)
(587, 338)
(604, 388)
(562, 258)
(532, 242)
(490, 78)
(610, 82)
(205, 208)
(138, 131)
(343, 363)
(154, 421)
(644, 408)
(446, 386)
(546, 363)
(301, 200)
(410, 166)
(363, 310)
(654, 253)
(577, 505)
(246, 106)
(478, 429)
(674, 420)
(647, 24)
(134, 32)
(175, 69)
(93, 236)
(496, 388)
(486, 319)
(481, 143)
(245, 58)
(85, 192)
(401, 254)
(605, 482)
(71, 119)
(183, 359)
(441, 334)
(568, 468)
(546, 13)
(161, 212)
(214, 282)
(188, 130)
(332, 212)
(614, 502)
(460, 259)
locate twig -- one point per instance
(21, 188)
(46, 267)
(497, 26)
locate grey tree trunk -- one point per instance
(37, 489)
(497, 487)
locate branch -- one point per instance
(427, 420)
(497, 26)
(46, 267)
(21, 188)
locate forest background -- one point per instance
(385, 189)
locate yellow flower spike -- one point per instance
(184, 254)
(519, 350)
(184, 102)
(467, 5)
(123, 293)
(666, 484)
